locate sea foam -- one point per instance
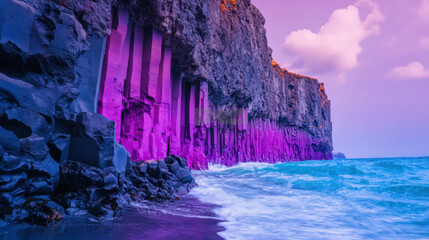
(341, 199)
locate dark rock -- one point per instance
(34, 148)
(48, 167)
(169, 160)
(94, 125)
(93, 143)
(153, 170)
(121, 160)
(9, 141)
(76, 211)
(76, 176)
(165, 179)
(143, 169)
(43, 212)
(12, 164)
(6, 200)
(85, 150)
(111, 184)
(174, 167)
(185, 175)
(39, 186)
(19, 93)
(25, 122)
(89, 67)
(59, 147)
(9, 183)
(338, 155)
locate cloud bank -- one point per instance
(414, 70)
(336, 46)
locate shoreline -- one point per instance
(187, 218)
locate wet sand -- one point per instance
(185, 219)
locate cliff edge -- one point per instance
(94, 92)
(224, 101)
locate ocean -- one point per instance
(337, 199)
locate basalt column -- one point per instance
(115, 68)
(195, 121)
(136, 91)
(160, 110)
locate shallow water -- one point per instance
(339, 199)
(185, 219)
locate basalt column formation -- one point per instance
(160, 110)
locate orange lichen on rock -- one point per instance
(283, 71)
(323, 94)
(277, 67)
(233, 3)
(222, 4)
(275, 64)
(301, 76)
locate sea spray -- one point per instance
(341, 199)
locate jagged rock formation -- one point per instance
(85, 86)
(54, 160)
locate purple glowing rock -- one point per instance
(158, 114)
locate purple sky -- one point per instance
(373, 56)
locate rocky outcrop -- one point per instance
(339, 155)
(56, 157)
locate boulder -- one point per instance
(13, 164)
(85, 150)
(9, 182)
(43, 212)
(76, 176)
(9, 142)
(19, 93)
(121, 159)
(25, 122)
(48, 168)
(93, 142)
(39, 186)
(34, 148)
(59, 147)
(94, 125)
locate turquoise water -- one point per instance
(338, 199)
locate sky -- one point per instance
(373, 56)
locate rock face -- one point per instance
(87, 85)
(196, 79)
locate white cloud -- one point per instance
(424, 42)
(335, 48)
(413, 70)
(424, 11)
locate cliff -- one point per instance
(88, 85)
(224, 100)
